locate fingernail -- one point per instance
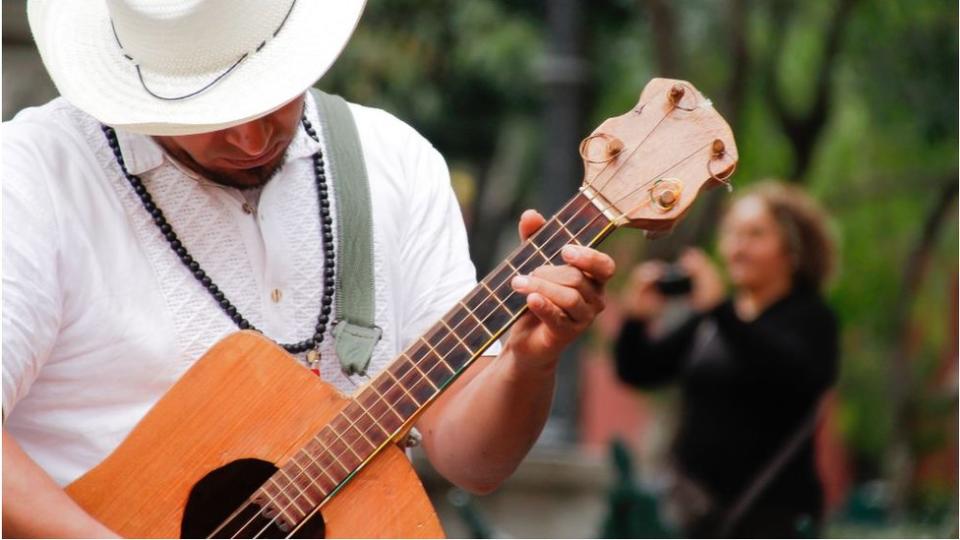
(570, 252)
(520, 282)
(535, 300)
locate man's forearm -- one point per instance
(488, 426)
(35, 506)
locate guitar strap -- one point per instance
(354, 331)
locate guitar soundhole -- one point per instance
(221, 498)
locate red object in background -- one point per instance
(832, 463)
(608, 409)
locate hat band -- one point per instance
(215, 80)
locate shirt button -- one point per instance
(248, 209)
(276, 295)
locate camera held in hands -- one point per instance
(675, 281)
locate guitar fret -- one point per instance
(304, 473)
(336, 457)
(497, 298)
(404, 388)
(416, 367)
(474, 316)
(266, 492)
(291, 501)
(322, 470)
(384, 432)
(333, 428)
(295, 498)
(440, 360)
(352, 424)
(539, 251)
(570, 234)
(383, 398)
(464, 345)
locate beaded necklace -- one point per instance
(166, 230)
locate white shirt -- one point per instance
(100, 318)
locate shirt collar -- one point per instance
(142, 154)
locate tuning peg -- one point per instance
(676, 94)
(718, 148)
(614, 147)
(665, 193)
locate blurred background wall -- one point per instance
(854, 100)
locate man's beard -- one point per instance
(253, 178)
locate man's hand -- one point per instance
(563, 300)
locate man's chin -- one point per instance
(247, 178)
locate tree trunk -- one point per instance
(902, 461)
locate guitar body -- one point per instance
(241, 410)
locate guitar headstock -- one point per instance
(645, 168)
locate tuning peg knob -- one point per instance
(614, 147)
(665, 193)
(676, 94)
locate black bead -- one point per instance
(178, 248)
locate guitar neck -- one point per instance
(388, 405)
(436, 358)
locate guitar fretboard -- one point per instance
(386, 406)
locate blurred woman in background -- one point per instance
(751, 366)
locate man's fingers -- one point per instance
(599, 265)
(567, 299)
(530, 222)
(550, 314)
(568, 276)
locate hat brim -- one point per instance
(88, 67)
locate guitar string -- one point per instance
(441, 361)
(381, 399)
(442, 358)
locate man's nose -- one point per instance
(253, 138)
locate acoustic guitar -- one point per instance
(250, 444)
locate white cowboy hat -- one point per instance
(177, 67)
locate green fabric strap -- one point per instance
(355, 333)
